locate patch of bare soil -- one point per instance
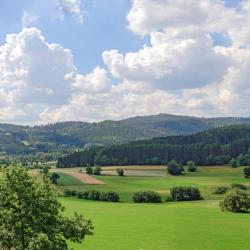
(86, 179)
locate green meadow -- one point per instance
(170, 225)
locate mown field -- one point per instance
(171, 225)
(206, 179)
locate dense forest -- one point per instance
(48, 142)
(211, 147)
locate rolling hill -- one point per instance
(68, 136)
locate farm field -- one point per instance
(169, 226)
(206, 179)
(166, 226)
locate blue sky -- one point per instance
(130, 57)
(104, 28)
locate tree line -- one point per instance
(212, 147)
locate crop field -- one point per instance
(170, 225)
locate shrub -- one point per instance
(120, 171)
(54, 178)
(221, 190)
(174, 168)
(169, 198)
(234, 163)
(191, 166)
(246, 172)
(97, 170)
(146, 197)
(109, 196)
(185, 193)
(67, 192)
(79, 195)
(237, 201)
(239, 186)
(73, 193)
(94, 195)
(89, 169)
(103, 196)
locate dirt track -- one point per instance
(86, 179)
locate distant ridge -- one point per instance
(69, 136)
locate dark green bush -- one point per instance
(146, 197)
(109, 196)
(234, 163)
(94, 195)
(79, 195)
(174, 168)
(169, 198)
(89, 169)
(120, 171)
(185, 193)
(97, 170)
(67, 192)
(73, 193)
(191, 167)
(221, 190)
(237, 201)
(246, 172)
(239, 186)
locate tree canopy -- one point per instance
(31, 217)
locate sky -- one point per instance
(94, 60)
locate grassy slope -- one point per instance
(177, 226)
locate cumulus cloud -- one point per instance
(28, 19)
(72, 7)
(182, 70)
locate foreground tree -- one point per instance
(237, 201)
(31, 215)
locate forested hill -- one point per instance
(68, 136)
(211, 147)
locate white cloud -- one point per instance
(28, 19)
(180, 71)
(72, 7)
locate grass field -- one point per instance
(206, 179)
(168, 226)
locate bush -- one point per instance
(73, 193)
(94, 195)
(67, 192)
(239, 186)
(54, 178)
(234, 163)
(174, 168)
(109, 196)
(169, 198)
(191, 166)
(146, 197)
(82, 195)
(120, 171)
(246, 172)
(237, 201)
(221, 190)
(185, 193)
(97, 170)
(89, 169)
(79, 195)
